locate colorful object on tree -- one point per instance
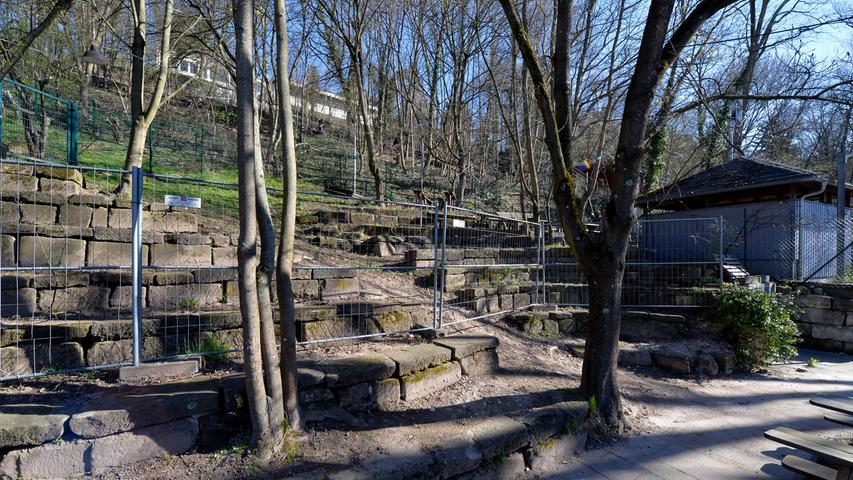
(586, 166)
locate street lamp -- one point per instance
(95, 57)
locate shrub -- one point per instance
(759, 325)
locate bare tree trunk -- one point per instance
(247, 249)
(266, 266)
(532, 176)
(364, 110)
(284, 272)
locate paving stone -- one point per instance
(484, 362)
(92, 457)
(500, 435)
(46, 252)
(554, 452)
(189, 255)
(369, 367)
(431, 380)
(465, 345)
(635, 356)
(381, 395)
(414, 358)
(672, 361)
(140, 407)
(33, 425)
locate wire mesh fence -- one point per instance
(35, 124)
(670, 263)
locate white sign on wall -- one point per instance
(458, 223)
(181, 201)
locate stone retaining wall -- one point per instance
(73, 439)
(827, 319)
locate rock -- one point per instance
(369, 367)
(546, 422)
(78, 215)
(832, 332)
(60, 172)
(307, 289)
(567, 326)
(381, 395)
(91, 199)
(822, 316)
(7, 249)
(673, 361)
(59, 187)
(725, 362)
(14, 184)
(56, 252)
(33, 425)
(113, 352)
(418, 357)
(553, 452)
(91, 457)
(463, 346)
(159, 371)
(215, 275)
(508, 467)
(137, 408)
(707, 365)
(814, 301)
(171, 222)
(500, 435)
(309, 376)
(174, 278)
(480, 363)
(636, 357)
(550, 327)
(431, 380)
(187, 239)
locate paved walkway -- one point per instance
(717, 432)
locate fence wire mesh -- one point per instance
(35, 124)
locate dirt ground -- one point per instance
(536, 371)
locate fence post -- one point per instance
(2, 84)
(434, 269)
(136, 263)
(72, 133)
(722, 261)
(443, 267)
(542, 262)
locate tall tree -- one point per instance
(602, 255)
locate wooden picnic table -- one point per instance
(837, 454)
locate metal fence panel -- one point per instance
(35, 124)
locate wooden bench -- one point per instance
(808, 468)
(840, 418)
(834, 452)
(838, 404)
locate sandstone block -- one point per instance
(16, 168)
(7, 250)
(58, 187)
(814, 301)
(114, 352)
(60, 172)
(15, 361)
(500, 435)
(332, 287)
(35, 425)
(159, 371)
(45, 251)
(13, 184)
(463, 346)
(189, 255)
(37, 214)
(634, 356)
(122, 297)
(172, 222)
(225, 256)
(833, 332)
(188, 239)
(113, 253)
(21, 302)
(672, 361)
(74, 300)
(481, 363)
(91, 199)
(504, 467)
(707, 365)
(431, 380)
(100, 217)
(380, 395)
(76, 215)
(418, 357)
(184, 297)
(10, 214)
(550, 454)
(822, 316)
(364, 368)
(308, 289)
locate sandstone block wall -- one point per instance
(827, 319)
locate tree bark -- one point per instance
(247, 249)
(284, 271)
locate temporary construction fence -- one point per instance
(36, 124)
(91, 280)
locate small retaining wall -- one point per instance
(827, 319)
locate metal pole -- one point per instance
(443, 267)
(434, 269)
(542, 260)
(72, 133)
(136, 196)
(841, 203)
(720, 224)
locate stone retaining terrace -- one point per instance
(827, 319)
(134, 424)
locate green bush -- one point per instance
(759, 325)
